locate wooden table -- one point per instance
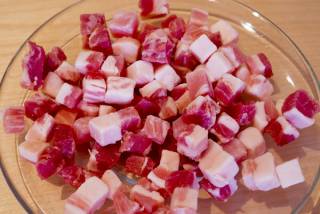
(18, 19)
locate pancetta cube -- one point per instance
(202, 48)
(259, 86)
(234, 55)
(183, 57)
(13, 120)
(259, 64)
(89, 61)
(242, 73)
(178, 91)
(178, 127)
(177, 28)
(153, 8)
(155, 129)
(228, 89)
(113, 182)
(153, 90)
(119, 90)
(32, 150)
(198, 17)
(248, 168)
(81, 130)
(123, 23)
(147, 107)
(106, 109)
(54, 58)
(219, 193)
(264, 114)
(289, 173)
(88, 198)
(40, 129)
(69, 95)
(123, 205)
(183, 101)
(129, 118)
(243, 113)
(89, 22)
(253, 140)
(139, 165)
(168, 109)
(141, 71)
(52, 84)
(218, 166)
(66, 116)
(167, 76)
(225, 128)
(218, 65)
(236, 148)
(198, 82)
(88, 109)
(99, 40)
(135, 143)
(184, 197)
(50, 161)
(68, 72)
(228, 33)
(181, 178)
(106, 156)
(112, 66)
(94, 87)
(126, 47)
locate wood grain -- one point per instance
(19, 18)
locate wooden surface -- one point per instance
(19, 18)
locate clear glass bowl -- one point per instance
(257, 34)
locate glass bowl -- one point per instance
(257, 34)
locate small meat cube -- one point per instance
(54, 58)
(66, 116)
(88, 198)
(129, 118)
(89, 22)
(184, 197)
(88, 109)
(99, 40)
(139, 165)
(178, 91)
(222, 193)
(259, 86)
(69, 95)
(155, 129)
(13, 120)
(119, 90)
(40, 129)
(32, 150)
(135, 143)
(225, 128)
(168, 109)
(89, 61)
(105, 109)
(181, 178)
(202, 48)
(106, 156)
(167, 76)
(262, 117)
(63, 137)
(123, 205)
(68, 72)
(248, 168)
(177, 28)
(234, 55)
(147, 107)
(228, 33)
(178, 127)
(141, 71)
(50, 161)
(259, 64)
(183, 56)
(113, 182)
(149, 200)
(253, 140)
(81, 130)
(73, 175)
(153, 8)
(153, 90)
(123, 23)
(198, 17)
(243, 73)
(243, 113)
(217, 66)
(289, 173)
(94, 87)
(112, 66)
(126, 47)
(52, 84)
(183, 101)
(236, 148)
(198, 82)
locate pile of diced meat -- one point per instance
(177, 105)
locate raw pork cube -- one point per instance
(106, 129)
(123, 23)
(178, 91)
(217, 66)
(99, 40)
(112, 66)
(225, 128)
(198, 17)
(52, 84)
(193, 141)
(282, 131)
(167, 76)
(236, 148)
(234, 54)
(222, 193)
(88, 109)
(183, 58)
(153, 8)
(139, 165)
(40, 129)
(149, 200)
(202, 48)
(228, 89)
(153, 90)
(253, 140)
(178, 127)
(135, 143)
(264, 114)
(89, 61)
(156, 129)
(105, 109)
(227, 32)
(13, 120)
(81, 130)
(218, 166)
(54, 58)
(259, 86)
(168, 109)
(66, 116)
(146, 107)
(119, 90)
(94, 87)
(126, 47)
(243, 113)
(89, 22)
(88, 198)
(243, 73)
(299, 109)
(68, 72)
(123, 205)
(181, 178)
(248, 168)
(177, 28)
(113, 182)
(259, 64)
(198, 82)
(183, 101)
(141, 72)
(32, 150)
(129, 118)
(106, 156)
(69, 95)
(289, 173)
(50, 161)
(184, 197)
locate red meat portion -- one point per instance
(13, 120)
(107, 156)
(49, 162)
(73, 175)
(135, 143)
(139, 165)
(54, 58)
(99, 40)
(181, 178)
(89, 22)
(242, 113)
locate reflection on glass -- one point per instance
(256, 14)
(290, 80)
(248, 26)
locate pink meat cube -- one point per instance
(88, 198)
(222, 193)
(129, 118)
(177, 28)
(168, 109)
(63, 138)
(123, 23)
(217, 66)
(94, 87)
(153, 90)
(165, 23)
(74, 175)
(145, 29)
(146, 107)
(178, 91)
(259, 86)
(52, 84)
(139, 165)
(149, 200)
(68, 72)
(181, 178)
(141, 71)
(153, 8)
(234, 55)
(299, 109)
(156, 129)
(225, 128)
(198, 17)
(183, 56)
(13, 120)
(243, 113)
(167, 76)
(105, 109)
(183, 101)
(89, 61)
(112, 66)
(289, 173)
(88, 109)
(106, 156)
(49, 161)
(123, 205)
(218, 166)
(264, 114)
(253, 140)
(69, 95)
(228, 33)
(248, 168)
(178, 127)
(66, 116)
(40, 129)
(184, 197)
(119, 90)
(202, 48)
(113, 182)
(32, 150)
(228, 89)
(126, 47)
(81, 130)
(193, 141)
(237, 149)
(259, 64)
(198, 82)
(54, 58)
(243, 73)
(99, 40)
(135, 143)
(89, 22)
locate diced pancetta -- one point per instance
(49, 162)
(94, 87)
(167, 76)
(69, 95)
(243, 113)
(184, 197)
(81, 130)
(13, 120)
(183, 101)
(123, 205)
(178, 91)
(236, 148)
(263, 115)
(135, 143)
(253, 140)
(32, 150)
(259, 64)
(119, 90)
(234, 55)
(289, 173)
(153, 90)
(113, 182)
(155, 129)
(99, 40)
(217, 66)
(243, 73)
(228, 33)
(68, 72)
(126, 47)
(198, 82)
(259, 86)
(225, 128)
(129, 118)
(147, 107)
(178, 127)
(153, 8)
(52, 84)
(123, 23)
(141, 71)
(219, 193)
(40, 129)
(168, 109)
(89, 61)
(181, 178)
(89, 22)
(54, 58)
(112, 66)
(177, 28)
(66, 116)
(202, 48)
(63, 137)
(139, 165)
(106, 109)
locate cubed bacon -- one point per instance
(33, 67)
(123, 23)
(141, 71)
(242, 73)
(263, 114)
(225, 128)
(198, 17)
(139, 165)
(218, 166)
(201, 111)
(234, 55)
(94, 87)
(193, 141)
(147, 107)
(282, 131)
(69, 95)
(184, 197)
(73, 175)
(146, 28)
(202, 48)
(253, 140)
(183, 101)
(299, 109)
(198, 82)
(260, 64)
(219, 193)
(248, 168)
(167, 76)
(32, 150)
(123, 205)
(135, 143)
(290, 173)
(126, 47)
(99, 40)
(106, 109)
(52, 84)
(165, 23)
(54, 58)
(168, 109)
(112, 66)
(88, 109)
(217, 66)
(89, 61)
(106, 156)
(155, 129)
(68, 72)
(113, 182)
(259, 86)
(40, 129)
(49, 162)
(153, 90)
(236, 148)
(183, 56)
(129, 118)
(178, 91)
(177, 28)
(178, 127)
(119, 90)
(216, 38)
(181, 178)
(243, 113)
(88, 198)
(149, 200)
(63, 137)
(81, 129)
(153, 8)
(228, 33)
(89, 22)
(66, 116)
